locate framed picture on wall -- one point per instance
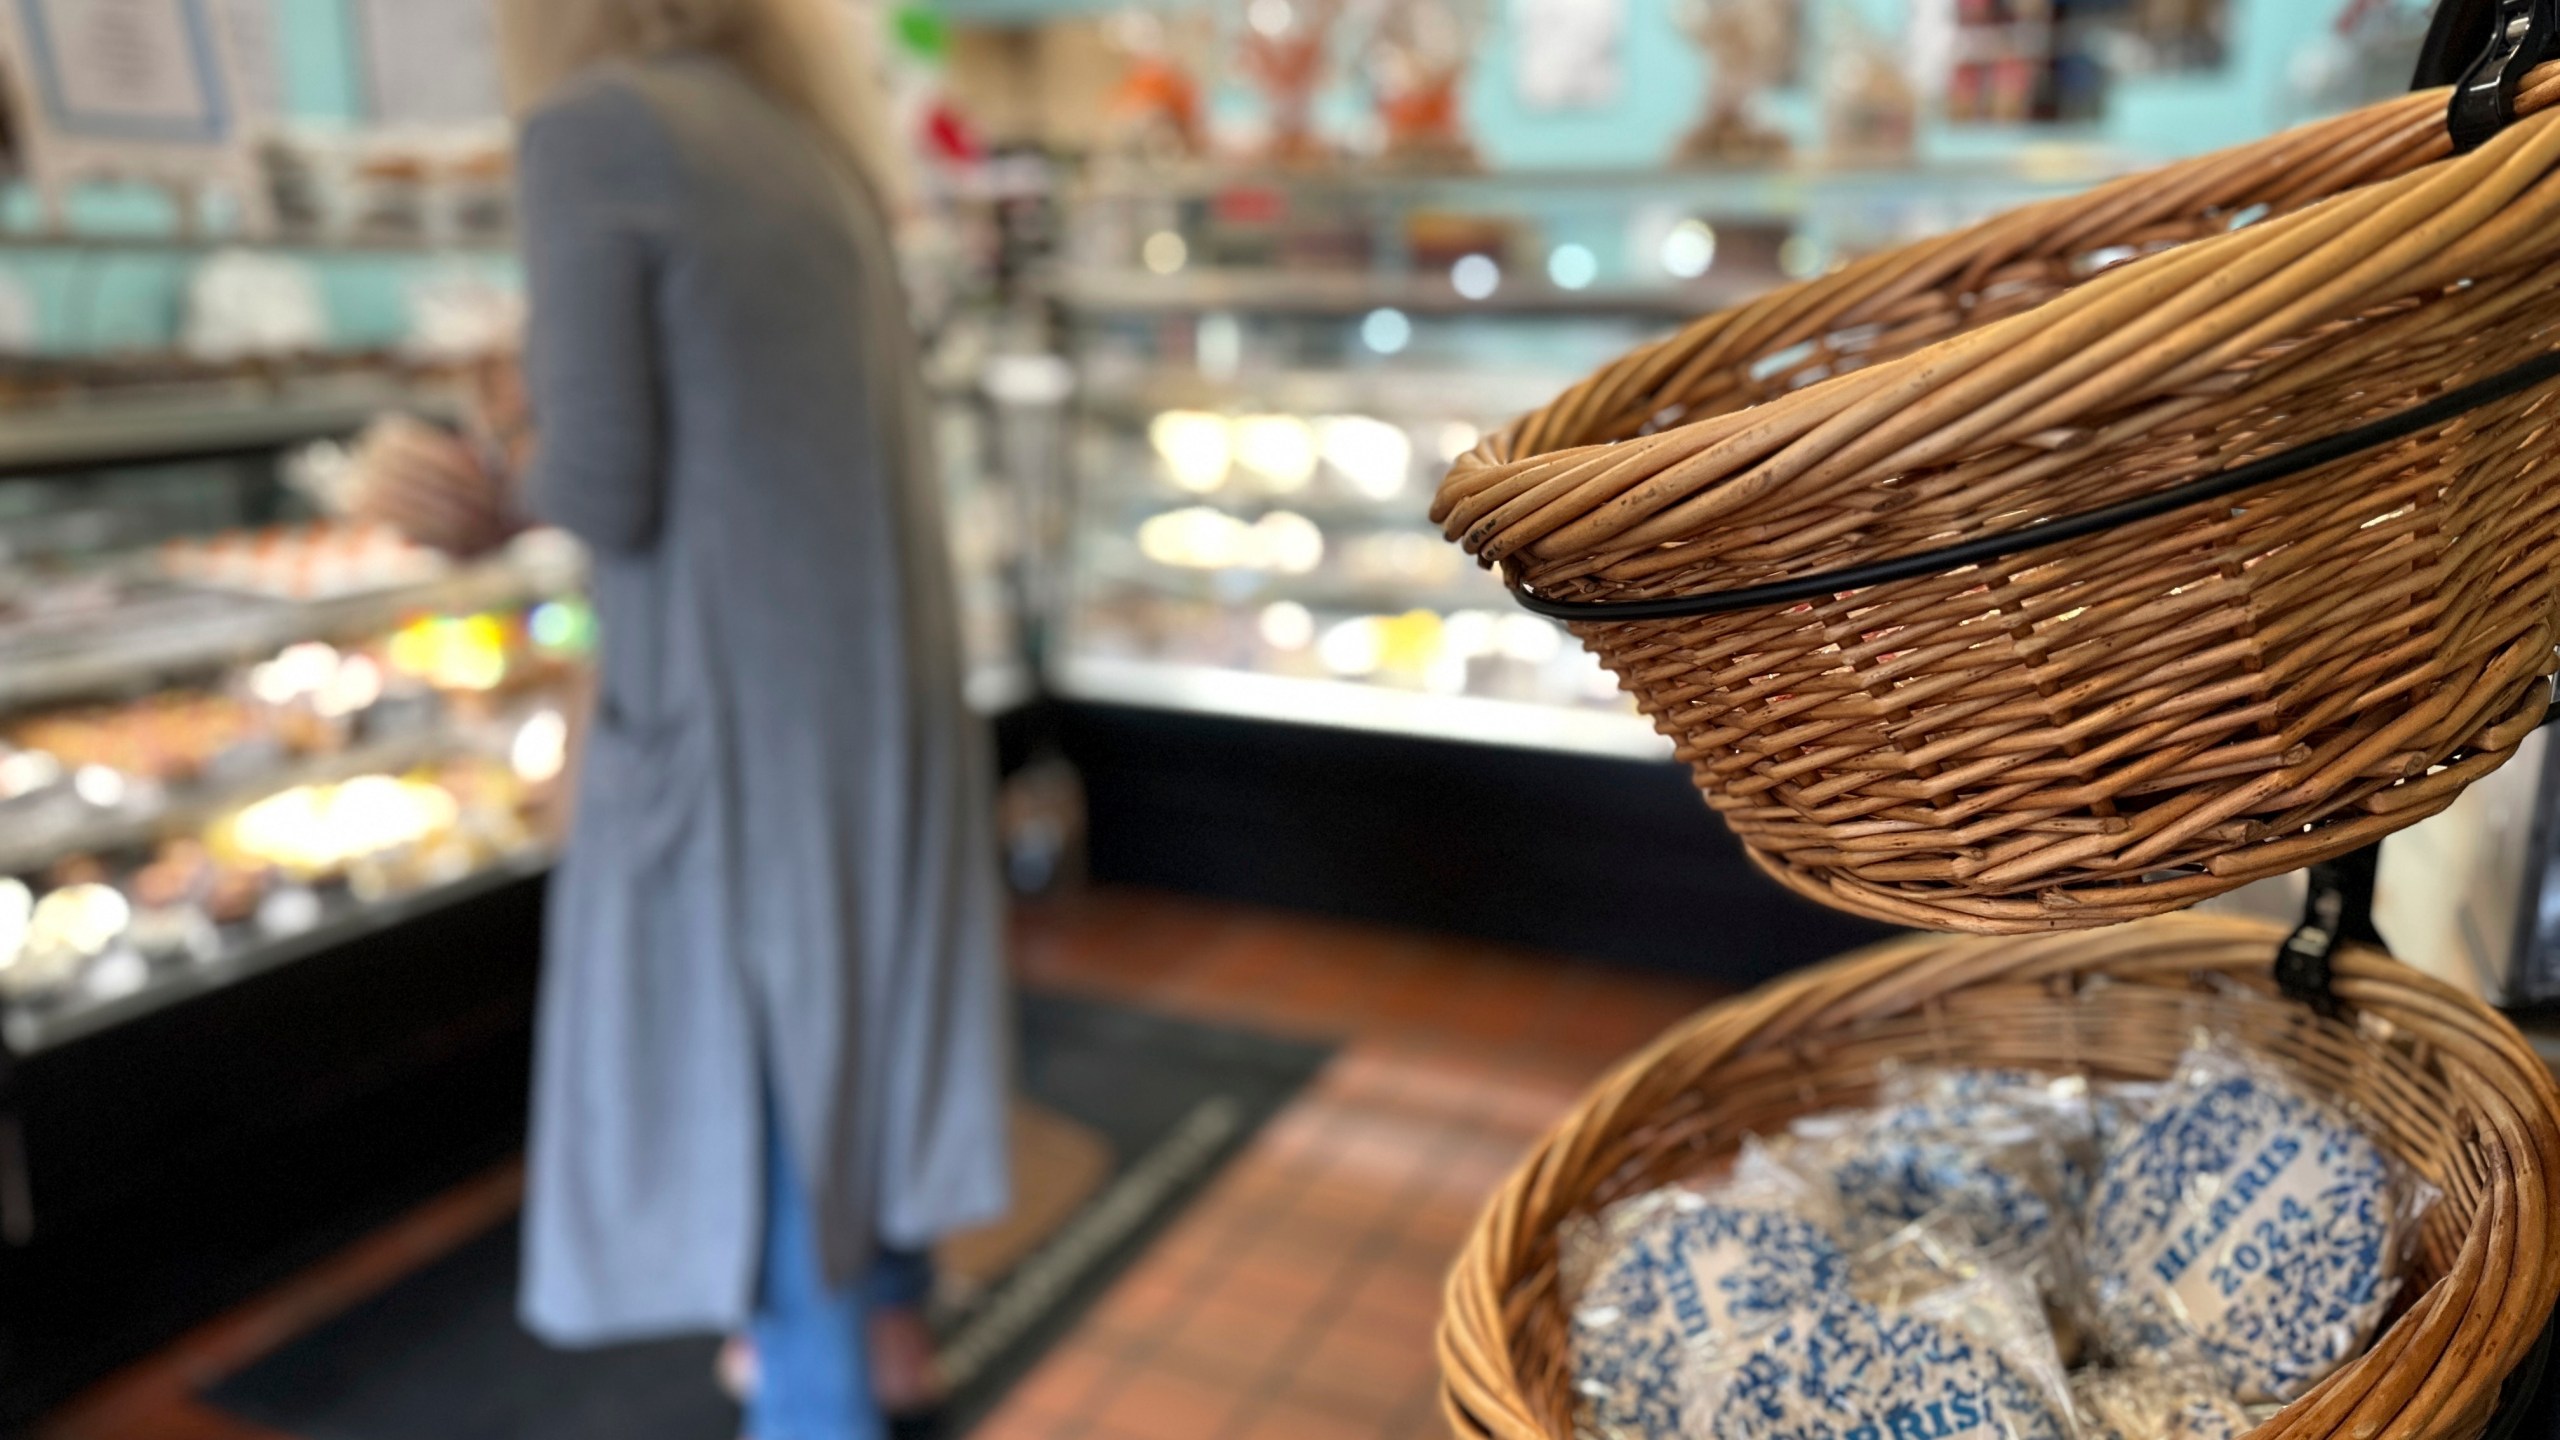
(1570, 53)
(159, 91)
(429, 64)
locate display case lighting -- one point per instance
(1198, 537)
(1573, 267)
(1689, 250)
(1281, 449)
(1376, 457)
(17, 908)
(1197, 448)
(99, 785)
(1287, 625)
(1386, 330)
(1353, 648)
(1164, 253)
(540, 750)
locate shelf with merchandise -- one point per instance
(178, 811)
(153, 845)
(146, 630)
(315, 921)
(182, 243)
(1319, 292)
(1274, 368)
(2035, 166)
(62, 417)
(1657, 244)
(232, 729)
(1294, 549)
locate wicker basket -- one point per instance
(2450, 1086)
(2123, 724)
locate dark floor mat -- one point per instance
(440, 1357)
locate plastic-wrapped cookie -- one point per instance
(2117, 1110)
(2184, 1404)
(2059, 1111)
(2247, 1225)
(1998, 1177)
(1667, 1278)
(1889, 1178)
(1844, 1369)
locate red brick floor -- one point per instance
(1296, 1299)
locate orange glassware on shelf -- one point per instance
(1286, 44)
(1418, 59)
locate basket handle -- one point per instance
(2482, 48)
(2504, 39)
(2338, 911)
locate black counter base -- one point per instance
(183, 1161)
(1584, 855)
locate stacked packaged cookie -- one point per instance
(2001, 1255)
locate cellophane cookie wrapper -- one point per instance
(2187, 1403)
(2247, 1226)
(1970, 1360)
(1966, 1148)
(1661, 1281)
(2063, 1109)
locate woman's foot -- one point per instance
(904, 1373)
(737, 1369)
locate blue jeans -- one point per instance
(812, 1344)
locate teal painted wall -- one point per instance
(96, 301)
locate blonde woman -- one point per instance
(770, 1060)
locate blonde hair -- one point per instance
(806, 55)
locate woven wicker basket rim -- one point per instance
(2268, 470)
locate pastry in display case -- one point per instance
(1290, 545)
(1749, 47)
(236, 731)
(230, 727)
(1418, 58)
(1274, 368)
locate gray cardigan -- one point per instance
(781, 879)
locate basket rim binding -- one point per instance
(2268, 470)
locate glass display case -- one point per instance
(1272, 371)
(233, 732)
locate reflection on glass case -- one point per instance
(1272, 373)
(233, 732)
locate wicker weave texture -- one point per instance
(2444, 1082)
(2126, 724)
